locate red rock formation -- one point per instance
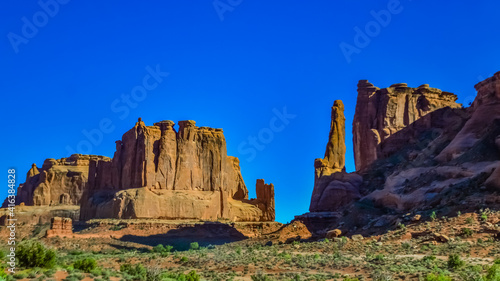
(58, 182)
(333, 187)
(334, 160)
(62, 227)
(380, 113)
(484, 109)
(157, 172)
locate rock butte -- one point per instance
(157, 172)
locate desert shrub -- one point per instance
(433, 215)
(20, 275)
(184, 259)
(440, 277)
(85, 265)
(467, 232)
(469, 220)
(194, 246)
(74, 277)
(162, 250)
(137, 272)
(259, 276)
(117, 227)
(454, 261)
(484, 216)
(493, 273)
(191, 276)
(75, 252)
(32, 253)
(96, 272)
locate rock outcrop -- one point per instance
(333, 187)
(62, 227)
(416, 152)
(157, 172)
(334, 160)
(380, 113)
(57, 182)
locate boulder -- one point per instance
(357, 237)
(333, 233)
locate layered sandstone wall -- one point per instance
(57, 182)
(381, 113)
(157, 172)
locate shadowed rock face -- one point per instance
(157, 172)
(57, 182)
(380, 113)
(429, 155)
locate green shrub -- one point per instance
(85, 265)
(433, 216)
(20, 275)
(75, 252)
(31, 253)
(137, 272)
(440, 277)
(454, 261)
(493, 273)
(467, 232)
(484, 216)
(260, 277)
(191, 276)
(194, 246)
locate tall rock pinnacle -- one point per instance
(334, 160)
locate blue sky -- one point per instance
(69, 66)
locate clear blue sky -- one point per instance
(228, 68)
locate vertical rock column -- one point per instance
(265, 197)
(365, 139)
(334, 160)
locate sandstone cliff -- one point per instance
(416, 152)
(380, 113)
(57, 182)
(157, 172)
